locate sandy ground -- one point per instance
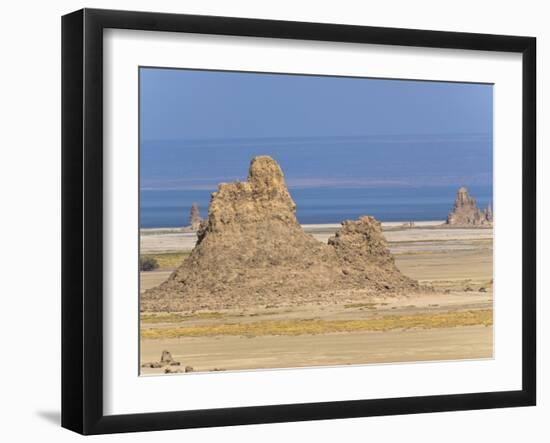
(235, 353)
(456, 262)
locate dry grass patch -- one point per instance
(176, 318)
(318, 326)
(361, 305)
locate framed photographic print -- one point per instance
(269, 221)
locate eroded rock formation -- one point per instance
(195, 217)
(166, 359)
(466, 213)
(251, 250)
(488, 214)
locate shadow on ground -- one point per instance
(54, 417)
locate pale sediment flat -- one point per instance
(158, 240)
(456, 262)
(444, 235)
(152, 279)
(417, 224)
(237, 353)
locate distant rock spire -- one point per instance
(466, 213)
(195, 217)
(488, 213)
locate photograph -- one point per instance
(293, 220)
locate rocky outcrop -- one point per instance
(166, 359)
(195, 217)
(363, 254)
(251, 250)
(466, 213)
(488, 214)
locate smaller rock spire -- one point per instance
(466, 213)
(195, 217)
(488, 213)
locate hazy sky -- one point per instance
(200, 127)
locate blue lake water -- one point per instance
(170, 208)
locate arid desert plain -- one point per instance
(451, 321)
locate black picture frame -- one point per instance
(82, 218)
